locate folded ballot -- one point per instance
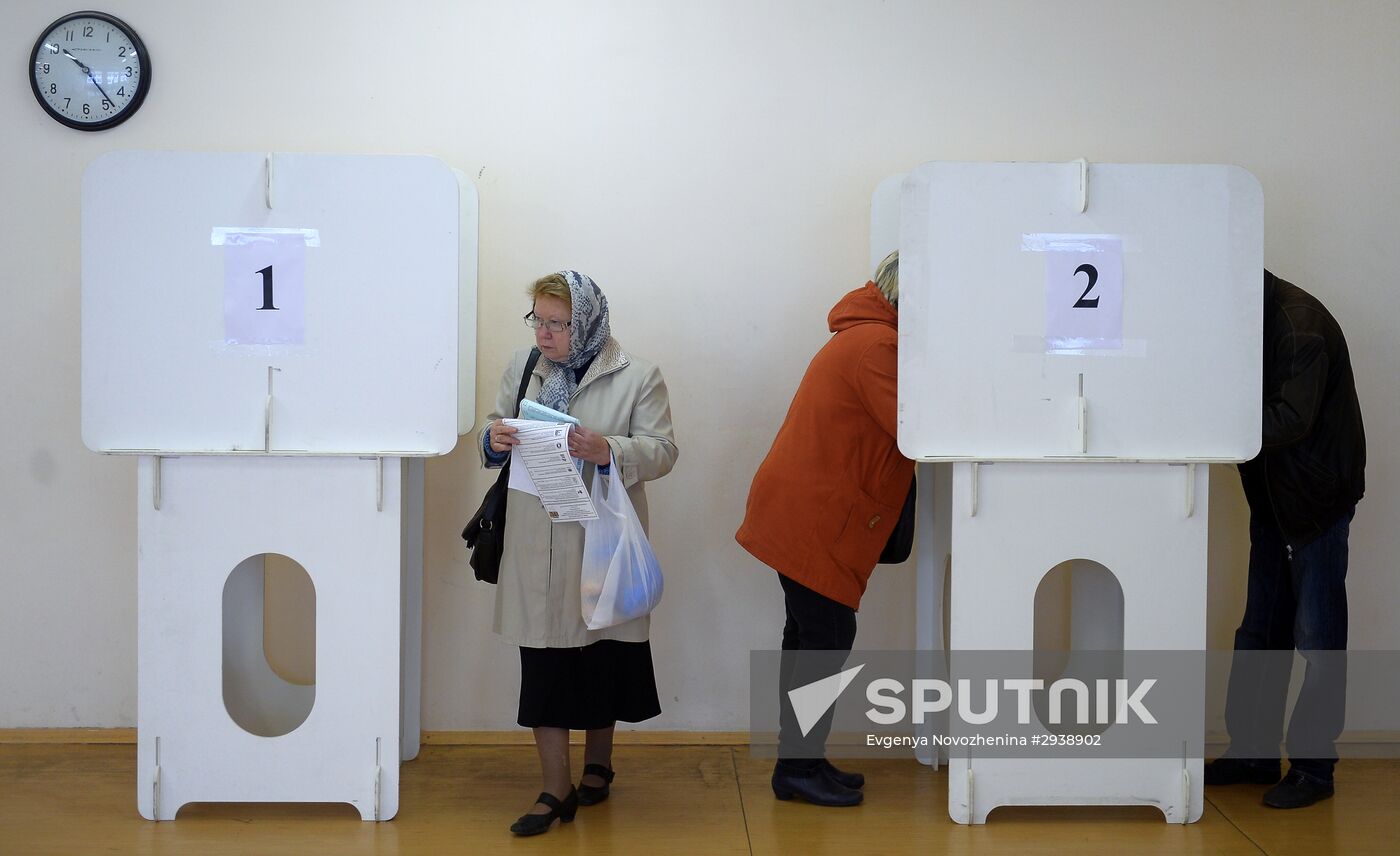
(538, 412)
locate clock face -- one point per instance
(90, 71)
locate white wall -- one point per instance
(711, 165)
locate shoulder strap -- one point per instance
(504, 477)
(525, 377)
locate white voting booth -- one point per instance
(282, 339)
(1076, 342)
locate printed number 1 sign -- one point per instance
(1083, 290)
(265, 285)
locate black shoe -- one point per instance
(1238, 771)
(1296, 791)
(854, 781)
(589, 795)
(815, 787)
(534, 824)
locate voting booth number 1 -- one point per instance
(265, 284)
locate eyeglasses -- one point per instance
(535, 322)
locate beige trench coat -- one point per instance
(537, 597)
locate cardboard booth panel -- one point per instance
(1130, 331)
(979, 785)
(1145, 523)
(1013, 525)
(287, 302)
(214, 514)
(469, 212)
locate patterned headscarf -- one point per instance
(587, 335)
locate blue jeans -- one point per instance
(1297, 599)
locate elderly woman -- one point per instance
(572, 677)
(820, 510)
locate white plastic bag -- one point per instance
(621, 578)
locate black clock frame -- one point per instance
(141, 87)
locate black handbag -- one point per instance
(485, 533)
(901, 542)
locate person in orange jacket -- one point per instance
(821, 508)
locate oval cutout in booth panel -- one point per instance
(1078, 640)
(269, 598)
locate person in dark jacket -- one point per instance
(1302, 490)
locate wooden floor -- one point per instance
(76, 799)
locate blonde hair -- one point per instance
(553, 285)
(887, 278)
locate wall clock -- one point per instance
(90, 71)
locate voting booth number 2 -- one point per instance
(264, 285)
(1083, 292)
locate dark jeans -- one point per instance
(1295, 601)
(823, 631)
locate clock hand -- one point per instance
(79, 62)
(88, 72)
(100, 89)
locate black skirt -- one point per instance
(587, 688)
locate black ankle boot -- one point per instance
(534, 824)
(855, 781)
(816, 787)
(589, 795)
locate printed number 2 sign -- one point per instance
(1083, 292)
(265, 285)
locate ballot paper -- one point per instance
(538, 412)
(540, 464)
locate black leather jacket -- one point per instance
(1311, 469)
